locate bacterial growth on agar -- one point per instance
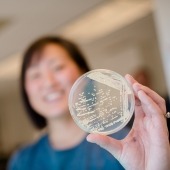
(102, 102)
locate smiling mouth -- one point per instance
(53, 96)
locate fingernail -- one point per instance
(88, 139)
(136, 87)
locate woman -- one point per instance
(50, 67)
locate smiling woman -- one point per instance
(50, 67)
(48, 81)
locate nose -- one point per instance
(49, 80)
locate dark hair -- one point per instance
(37, 46)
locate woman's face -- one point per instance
(49, 80)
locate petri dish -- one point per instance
(101, 101)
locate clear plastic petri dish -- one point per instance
(101, 101)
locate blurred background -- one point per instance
(126, 36)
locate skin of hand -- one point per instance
(146, 147)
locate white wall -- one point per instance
(162, 18)
(15, 127)
(128, 49)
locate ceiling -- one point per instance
(23, 21)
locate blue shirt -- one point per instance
(85, 156)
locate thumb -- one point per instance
(111, 145)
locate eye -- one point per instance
(58, 67)
(33, 75)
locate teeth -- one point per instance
(53, 96)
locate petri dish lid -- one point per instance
(101, 101)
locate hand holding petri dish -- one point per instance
(101, 101)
